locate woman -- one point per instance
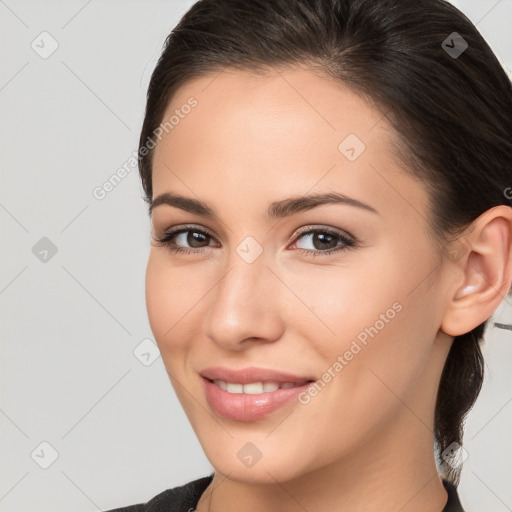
(327, 184)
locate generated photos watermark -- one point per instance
(100, 192)
(355, 348)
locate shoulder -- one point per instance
(176, 499)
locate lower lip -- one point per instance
(245, 407)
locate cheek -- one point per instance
(157, 299)
(343, 302)
(170, 300)
(170, 304)
(372, 320)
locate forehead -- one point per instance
(295, 99)
(286, 129)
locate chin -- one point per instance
(242, 461)
(261, 473)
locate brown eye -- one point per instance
(187, 239)
(324, 241)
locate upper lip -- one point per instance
(251, 374)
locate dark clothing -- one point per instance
(185, 498)
(453, 504)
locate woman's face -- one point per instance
(261, 291)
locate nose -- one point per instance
(244, 308)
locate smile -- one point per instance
(255, 388)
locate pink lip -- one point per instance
(246, 407)
(251, 374)
(243, 407)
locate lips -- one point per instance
(235, 394)
(252, 374)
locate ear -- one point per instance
(483, 254)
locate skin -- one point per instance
(365, 441)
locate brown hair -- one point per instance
(450, 105)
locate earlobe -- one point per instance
(487, 272)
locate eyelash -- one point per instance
(165, 240)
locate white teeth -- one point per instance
(234, 388)
(254, 388)
(270, 386)
(221, 384)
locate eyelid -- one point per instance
(323, 227)
(178, 229)
(348, 241)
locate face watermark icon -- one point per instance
(146, 352)
(455, 455)
(44, 45)
(454, 45)
(44, 455)
(456, 249)
(351, 147)
(249, 249)
(249, 455)
(44, 250)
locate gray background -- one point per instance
(72, 370)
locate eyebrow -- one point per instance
(276, 210)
